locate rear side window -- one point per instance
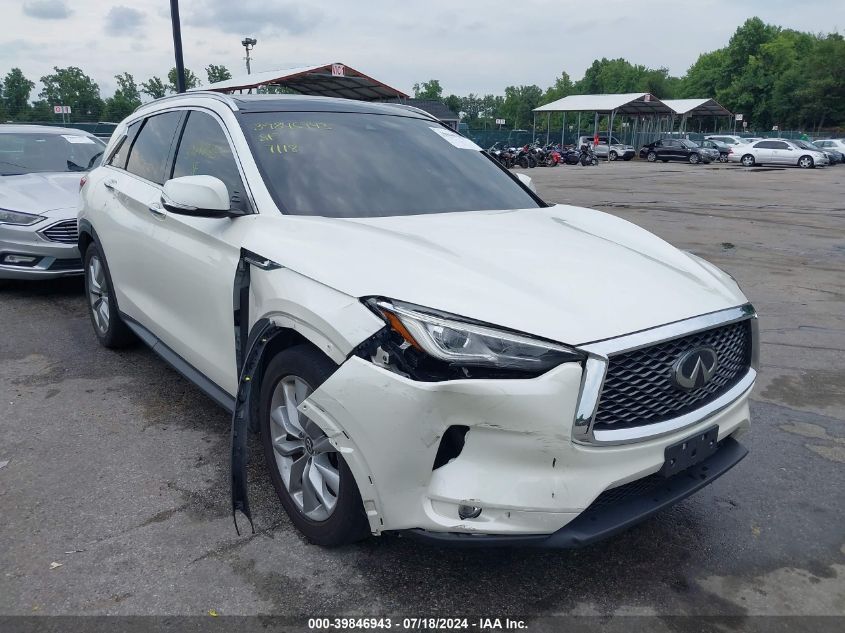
(150, 151)
(204, 151)
(121, 153)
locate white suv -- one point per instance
(422, 343)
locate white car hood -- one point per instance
(40, 193)
(564, 273)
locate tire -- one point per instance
(651, 157)
(523, 162)
(612, 155)
(110, 329)
(532, 162)
(723, 158)
(594, 161)
(694, 159)
(806, 162)
(342, 523)
(748, 160)
(627, 159)
(664, 160)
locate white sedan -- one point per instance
(777, 152)
(423, 344)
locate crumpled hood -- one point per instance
(564, 273)
(40, 193)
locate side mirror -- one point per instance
(200, 196)
(526, 180)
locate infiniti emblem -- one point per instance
(695, 368)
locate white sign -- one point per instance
(738, 117)
(500, 121)
(60, 109)
(338, 70)
(745, 124)
(774, 128)
(57, 109)
(455, 139)
(71, 138)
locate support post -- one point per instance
(177, 45)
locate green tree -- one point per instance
(430, 89)
(154, 87)
(217, 73)
(191, 80)
(453, 102)
(16, 91)
(72, 87)
(126, 98)
(519, 103)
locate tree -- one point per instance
(453, 102)
(154, 87)
(72, 87)
(16, 91)
(217, 73)
(430, 89)
(191, 80)
(125, 99)
(519, 104)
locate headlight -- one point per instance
(16, 217)
(466, 344)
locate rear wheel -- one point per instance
(806, 162)
(110, 329)
(748, 160)
(310, 476)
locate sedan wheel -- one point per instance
(806, 162)
(652, 156)
(694, 159)
(111, 330)
(306, 459)
(748, 160)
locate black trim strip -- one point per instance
(206, 385)
(596, 524)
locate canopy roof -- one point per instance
(697, 107)
(631, 103)
(327, 80)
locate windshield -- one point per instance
(687, 143)
(29, 152)
(351, 165)
(807, 145)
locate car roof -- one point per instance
(292, 103)
(12, 128)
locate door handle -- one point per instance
(157, 210)
(110, 184)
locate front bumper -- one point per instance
(55, 259)
(519, 462)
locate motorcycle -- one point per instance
(587, 156)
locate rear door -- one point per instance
(133, 197)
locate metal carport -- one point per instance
(326, 80)
(635, 104)
(688, 108)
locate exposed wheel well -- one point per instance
(84, 241)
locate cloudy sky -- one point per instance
(476, 46)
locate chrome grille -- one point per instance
(65, 232)
(639, 390)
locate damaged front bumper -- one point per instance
(518, 463)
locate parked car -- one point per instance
(422, 343)
(675, 149)
(723, 149)
(834, 157)
(40, 168)
(616, 149)
(831, 143)
(727, 139)
(778, 152)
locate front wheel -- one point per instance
(748, 160)
(806, 162)
(109, 327)
(523, 162)
(652, 157)
(311, 478)
(694, 159)
(612, 155)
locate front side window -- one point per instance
(204, 151)
(121, 152)
(151, 149)
(353, 165)
(33, 152)
(779, 145)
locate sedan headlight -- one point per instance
(466, 344)
(16, 217)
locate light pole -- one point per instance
(177, 45)
(248, 43)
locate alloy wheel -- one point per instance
(652, 157)
(306, 459)
(748, 160)
(98, 295)
(806, 162)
